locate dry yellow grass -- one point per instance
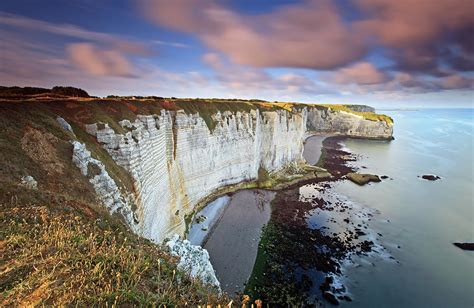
(49, 257)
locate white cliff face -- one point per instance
(343, 123)
(176, 160)
(104, 186)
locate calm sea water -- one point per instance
(419, 219)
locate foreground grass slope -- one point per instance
(56, 254)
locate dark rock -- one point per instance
(465, 246)
(384, 177)
(366, 246)
(326, 285)
(346, 298)
(430, 177)
(330, 298)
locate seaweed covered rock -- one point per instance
(362, 179)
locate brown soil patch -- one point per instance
(41, 147)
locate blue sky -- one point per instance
(406, 53)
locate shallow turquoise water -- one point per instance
(424, 218)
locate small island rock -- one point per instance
(465, 246)
(362, 179)
(430, 177)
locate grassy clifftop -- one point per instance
(85, 108)
(372, 116)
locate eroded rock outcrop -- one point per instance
(105, 187)
(193, 259)
(29, 182)
(328, 121)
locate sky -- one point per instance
(385, 53)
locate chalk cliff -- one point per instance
(176, 160)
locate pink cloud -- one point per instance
(422, 32)
(247, 80)
(363, 73)
(96, 61)
(312, 34)
(309, 35)
(456, 82)
(405, 23)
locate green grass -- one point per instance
(260, 262)
(367, 115)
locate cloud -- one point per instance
(422, 34)
(172, 44)
(308, 35)
(405, 23)
(363, 73)
(251, 82)
(419, 36)
(98, 53)
(35, 25)
(96, 61)
(456, 82)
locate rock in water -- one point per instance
(362, 179)
(330, 298)
(193, 259)
(465, 246)
(430, 177)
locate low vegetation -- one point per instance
(367, 115)
(70, 254)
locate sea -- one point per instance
(418, 220)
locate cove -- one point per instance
(230, 227)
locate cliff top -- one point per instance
(96, 109)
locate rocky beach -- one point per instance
(310, 235)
